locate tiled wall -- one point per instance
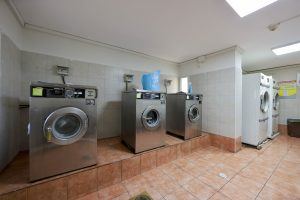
(289, 108)
(108, 79)
(10, 69)
(219, 101)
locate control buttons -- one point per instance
(69, 93)
(90, 101)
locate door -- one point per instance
(151, 118)
(65, 126)
(194, 113)
(276, 101)
(264, 101)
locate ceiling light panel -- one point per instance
(245, 7)
(287, 49)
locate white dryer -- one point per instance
(274, 110)
(256, 95)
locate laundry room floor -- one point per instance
(211, 173)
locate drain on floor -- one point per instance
(142, 196)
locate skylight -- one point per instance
(290, 48)
(246, 7)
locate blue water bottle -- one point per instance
(190, 88)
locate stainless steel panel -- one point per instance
(178, 121)
(47, 158)
(175, 117)
(128, 119)
(137, 136)
(193, 128)
(149, 139)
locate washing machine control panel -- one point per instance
(63, 92)
(195, 97)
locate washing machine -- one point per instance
(256, 105)
(274, 110)
(184, 115)
(62, 129)
(143, 119)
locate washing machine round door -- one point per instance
(276, 101)
(264, 101)
(151, 118)
(194, 113)
(65, 125)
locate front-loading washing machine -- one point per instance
(184, 115)
(256, 105)
(143, 119)
(63, 130)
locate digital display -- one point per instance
(37, 92)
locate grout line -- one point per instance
(237, 173)
(283, 156)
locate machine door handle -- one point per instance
(275, 115)
(147, 118)
(264, 119)
(48, 134)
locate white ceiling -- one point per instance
(175, 30)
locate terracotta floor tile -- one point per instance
(256, 173)
(180, 194)
(148, 161)
(178, 175)
(212, 180)
(124, 196)
(109, 174)
(247, 187)
(153, 174)
(189, 167)
(233, 191)
(57, 189)
(200, 190)
(131, 167)
(139, 184)
(111, 192)
(219, 196)
(278, 183)
(82, 183)
(218, 176)
(221, 169)
(269, 193)
(160, 182)
(289, 167)
(135, 182)
(280, 156)
(19, 195)
(165, 187)
(92, 196)
(204, 164)
(235, 163)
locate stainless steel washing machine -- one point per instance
(184, 115)
(63, 130)
(143, 119)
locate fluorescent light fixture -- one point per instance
(290, 48)
(245, 7)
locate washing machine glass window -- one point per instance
(193, 113)
(276, 102)
(264, 102)
(65, 126)
(151, 118)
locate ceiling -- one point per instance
(174, 30)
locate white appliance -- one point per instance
(274, 110)
(256, 95)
